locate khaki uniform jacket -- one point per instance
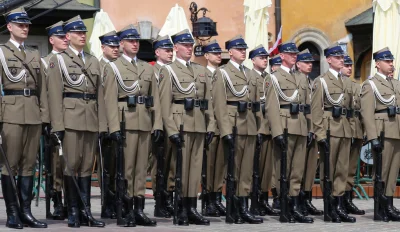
(246, 122)
(18, 109)
(209, 78)
(356, 123)
(310, 89)
(137, 118)
(194, 120)
(73, 113)
(339, 127)
(296, 124)
(369, 104)
(261, 85)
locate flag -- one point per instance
(274, 49)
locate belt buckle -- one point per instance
(197, 102)
(344, 111)
(397, 110)
(249, 105)
(27, 92)
(85, 96)
(301, 107)
(140, 99)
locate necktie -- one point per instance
(189, 67)
(80, 57)
(22, 51)
(134, 65)
(263, 74)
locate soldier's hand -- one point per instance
(260, 139)
(310, 138)
(324, 144)
(116, 136)
(176, 139)
(158, 136)
(46, 129)
(103, 135)
(57, 137)
(280, 141)
(228, 139)
(376, 145)
(209, 137)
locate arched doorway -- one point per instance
(316, 69)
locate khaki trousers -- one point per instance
(21, 144)
(338, 165)
(353, 162)
(295, 163)
(266, 164)
(216, 166)
(79, 148)
(311, 164)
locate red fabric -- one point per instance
(274, 49)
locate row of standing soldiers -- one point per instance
(243, 121)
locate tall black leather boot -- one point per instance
(160, 210)
(302, 203)
(211, 209)
(390, 201)
(245, 214)
(296, 211)
(108, 208)
(72, 202)
(25, 187)
(169, 202)
(390, 212)
(194, 216)
(266, 206)
(340, 211)
(218, 205)
(13, 220)
(309, 206)
(58, 213)
(276, 203)
(86, 216)
(140, 217)
(349, 206)
(183, 205)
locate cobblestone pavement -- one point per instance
(364, 223)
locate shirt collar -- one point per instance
(212, 69)
(16, 44)
(129, 59)
(55, 52)
(236, 64)
(182, 61)
(160, 63)
(381, 75)
(334, 73)
(286, 69)
(76, 52)
(106, 60)
(259, 73)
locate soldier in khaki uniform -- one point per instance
(77, 117)
(131, 88)
(110, 47)
(357, 137)
(330, 103)
(275, 62)
(378, 101)
(286, 108)
(59, 43)
(163, 48)
(216, 166)
(304, 66)
(24, 109)
(259, 57)
(235, 99)
(185, 96)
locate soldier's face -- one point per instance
(238, 54)
(77, 38)
(335, 62)
(59, 42)
(213, 58)
(130, 46)
(18, 31)
(347, 70)
(275, 67)
(385, 67)
(288, 59)
(304, 67)
(164, 54)
(260, 62)
(184, 50)
(110, 52)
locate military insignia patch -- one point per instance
(214, 78)
(201, 75)
(51, 64)
(266, 84)
(13, 71)
(37, 71)
(161, 77)
(73, 77)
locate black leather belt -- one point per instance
(343, 110)
(301, 107)
(381, 111)
(197, 102)
(139, 99)
(84, 96)
(236, 103)
(24, 92)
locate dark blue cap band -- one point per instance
(183, 38)
(305, 57)
(212, 48)
(75, 26)
(385, 55)
(237, 43)
(111, 40)
(347, 60)
(56, 31)
(288, 48)
(258, 52)
(166, 43)
(18, 17)
(275, 61)
(129, 34)
(334, 51)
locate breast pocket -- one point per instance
(14, 67)
(36, 66)
(201, 87)
(145, 83)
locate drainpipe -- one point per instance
(278, 17)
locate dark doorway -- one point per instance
(316, 69)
